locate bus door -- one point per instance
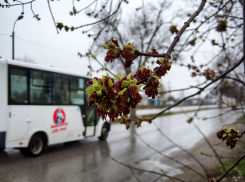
(90, 119)
(90, 116)
(18, 108)
(18, 123)
(79, 97)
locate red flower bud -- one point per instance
(151, 87)
(162, 70)
(128, 53)
(90, 82)
(113, 52)
(231, 136)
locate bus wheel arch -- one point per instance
(36, 145)
(43, 135)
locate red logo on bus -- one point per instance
(59, 120)
(59, 116)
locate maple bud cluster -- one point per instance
(162, 70)
(222, 26)
(113, 98)
(113, 52)
(152, 86)
(209, 74)
(231, 136)
(142, 73)
(127, 53)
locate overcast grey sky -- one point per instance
(40, 41)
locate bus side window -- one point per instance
(61, 89)
(77, 90)
(86, 87)
(40, 87)
(18, 86)
(77, 83)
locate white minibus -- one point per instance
(41, 105)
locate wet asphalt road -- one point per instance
(85, 161)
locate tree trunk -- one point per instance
(132, 124)
(133, 114)
(220, 100)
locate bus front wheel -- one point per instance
(104, 133)
(35, 147)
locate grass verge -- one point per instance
(237, 172)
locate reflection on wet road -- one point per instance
(86, 161)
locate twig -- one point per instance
(150, 55)
(240, 81)
(22, 3)
(191, 87)
(201, 89)
(52, 16)
(202, 23)
(133, 173)
(170, 158)
(103, 66)
(166, 173)
(212, 117)
(155, 180)
(152, 172)
(211, 146)
(208, 155)
(95, 6)
(202, 102)
(181, 148)
(227, 172)
(32, 10)
(176, 39)
(87, 6)
(101, 19)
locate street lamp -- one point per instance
(19, 18)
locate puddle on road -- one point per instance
(171, 151)
(157, 166)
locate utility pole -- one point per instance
(169, 89)
(19, 18)
(13, 45)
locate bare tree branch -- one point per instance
(201, 89)
(52, 16)
(152, 172)
(227, 172)
(87, 6)
(238, 80)
(137, 179)
(181, 148)
(211, 146)
(101, 19)
(170, 158)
